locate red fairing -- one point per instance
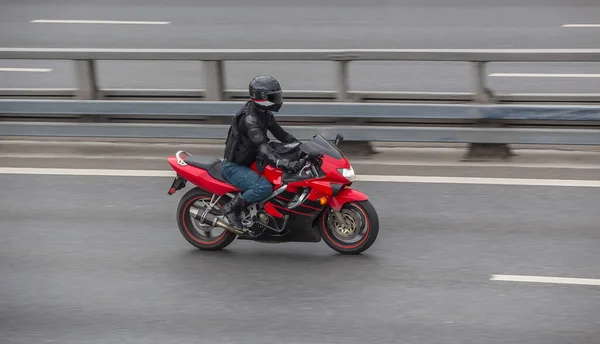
(201, 178)
(272, 174)
(331, 166)
(271, 210)
(346, 195)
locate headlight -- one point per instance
(348, 173)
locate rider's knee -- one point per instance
(264, 188)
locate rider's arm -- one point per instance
(279, 132)
(270, 155)
(265, 151)
(253, 130)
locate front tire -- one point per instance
(198, 234)
(356, 234)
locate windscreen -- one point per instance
(319, 145)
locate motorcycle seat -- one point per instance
(211, 164)
(203, 162)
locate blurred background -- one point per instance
(332, 24)
(471, 125)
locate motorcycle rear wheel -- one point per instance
(196, 233)
(356, 234)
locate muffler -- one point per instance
(212, 220)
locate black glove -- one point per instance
(290, 166)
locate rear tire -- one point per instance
(357, 234)
(196, 233)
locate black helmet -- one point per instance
(266, 93)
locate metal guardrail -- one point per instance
(87, 86)
(474, 55)
(357, 122)
(340, 111)
(304, 95)
(351, 133)
(334, 112)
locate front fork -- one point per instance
(337, 215)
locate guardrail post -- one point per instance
(483, 95)
(87, 86)
(481, 90)
(361, 148)
(215, 80)
(342, 80)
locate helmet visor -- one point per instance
(275, 98)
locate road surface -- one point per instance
(306, 24)
(99, 259)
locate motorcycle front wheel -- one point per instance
(356, 233)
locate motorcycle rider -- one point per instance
(247, 140)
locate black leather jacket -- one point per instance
(248, 134)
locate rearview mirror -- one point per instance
(338, 138)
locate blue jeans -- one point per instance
(254, 186)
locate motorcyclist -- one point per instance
(247, 140)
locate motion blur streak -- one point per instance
(313, 24)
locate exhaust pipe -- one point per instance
(215, 221)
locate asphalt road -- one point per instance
(100, 259)
(306, 24)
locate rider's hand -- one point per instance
(290, 166)
(283, 163)
(300, 164)
(294, 166)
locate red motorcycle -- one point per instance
(306, 206)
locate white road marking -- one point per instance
(31, 70)
(582, 25)
(128, 22)
(545, 75)
(479, 164)
(364, 178)
(87, 172)
(542, 279)
(408, 163)
(91, 157)
(475, 180)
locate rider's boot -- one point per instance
(233, 211)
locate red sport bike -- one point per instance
(306, 206)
